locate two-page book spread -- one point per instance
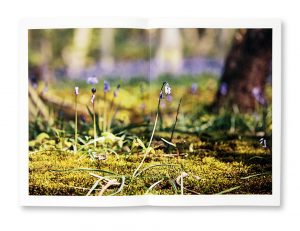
(161, 112)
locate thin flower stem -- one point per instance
(104, 113)
(152, 135)
(157, 114)
(110, 117)
(75, 146)
(176, 119)
(95, 133)
(115, 113)
(147, 150)
(100, 115)
(156, 118)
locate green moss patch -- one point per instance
(231, 167)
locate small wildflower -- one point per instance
(117, 90)
(34, 85)
(106, 86)
(169, 98)
(94, 114)
(224, 89)
(257, 94)
(76, 90)
(34, 82)
(167, 89)
(167, 92)
(255, 91)
(93, 96)
(161, 95)
(194, 88)
(82, 118)
(92, 80)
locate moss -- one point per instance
(211, 167)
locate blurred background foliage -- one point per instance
(58, 53)
(192, 60)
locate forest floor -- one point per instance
(224, 152)
(230, 167)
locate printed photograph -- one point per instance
(166, 111)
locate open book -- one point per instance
(164, 112)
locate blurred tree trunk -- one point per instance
(41, 69)
(46, 50)
(107, 48)
(246, 69)
(75, 56)
(170, 51)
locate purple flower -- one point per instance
(194, 88)
(92, 80)
(82, 118)
(167, 90)
(255, 91)
(224, 89)
(161, 95)
(258, 95)
(117, 90)
(34, 85)
(106, 86)
(169, 98)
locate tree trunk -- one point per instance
(170, 51)
(76, 55)
(107, 44)
(246, 69)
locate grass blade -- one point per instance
(172, 182)
(93, 187)
(92, 142)
(228, 190)
(83, 169)
(254, 175)
(108, 184)
(168, 142)
(120, 188)
(152, 166)
(153, 185)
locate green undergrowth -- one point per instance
(227, 167)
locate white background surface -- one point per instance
(221, 218)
